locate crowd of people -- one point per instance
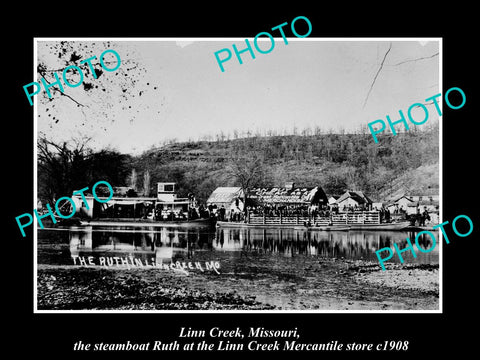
(314, 211)
(293, 210)
(236, 214)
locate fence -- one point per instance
(357, 217)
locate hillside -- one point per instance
(407, 162)
(422, 180)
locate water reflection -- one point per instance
(335, 244)
(147, 243)
(170, 244)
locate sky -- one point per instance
(174, 89)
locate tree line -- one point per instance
(335, 161)
(69, 166)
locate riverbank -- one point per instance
(251, 281)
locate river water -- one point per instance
(60, 246)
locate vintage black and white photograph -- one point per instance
(209, 174)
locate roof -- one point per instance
(292, 196)
(414, 198)
(225, 194)
(121, 190)
(332, 200)
(401, 197)
(358, 196)
(133, 200)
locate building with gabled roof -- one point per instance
(230, 197)
(289, 195)
(410, 204)
(403, 202)
(353, 198)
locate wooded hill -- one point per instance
(407, 162)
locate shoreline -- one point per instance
(321, 284)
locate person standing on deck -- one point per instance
(222, 213)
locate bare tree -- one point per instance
(62, 167)
(71, 165)
(246, 172)
(133, 180)
(146, 183)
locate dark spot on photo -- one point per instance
(87, 86)
(74, 57)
